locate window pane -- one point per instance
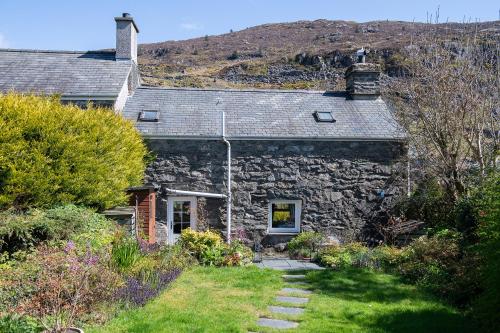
(149, 115)
(283, 215)
(324, 116)
(186, 205)
(177, 217)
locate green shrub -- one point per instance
(438, 264)
(67, 286)
(488, 201)
(125, 253)
(209, 249)
(197, 242)
(19, 324)
(386, 257)
(343, 256)
(212, 256)
(52, 153)
(23, 231)
(237, 254)
(305, 244)
(176, 257)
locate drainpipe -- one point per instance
(229, 196)
(408, 179)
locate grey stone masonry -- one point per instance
(126, 38)
(343, 185)
(362, 80)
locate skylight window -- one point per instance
(324, 117)
(148, 115)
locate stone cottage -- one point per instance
(267, 163)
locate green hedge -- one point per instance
(24, 231)
(52, 154)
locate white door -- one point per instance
(181, 214)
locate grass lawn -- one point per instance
(231, 299)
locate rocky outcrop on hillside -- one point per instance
(297, 55)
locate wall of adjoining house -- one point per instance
(339, 183)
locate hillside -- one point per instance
(297, 55)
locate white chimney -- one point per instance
(126, 38)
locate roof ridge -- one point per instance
(239, 90)
(57, 51)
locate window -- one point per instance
(182, 216)
(148, 115)
(284, 216)
(324, 117)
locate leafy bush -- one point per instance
(23, 231)
(305, 244)
(488, 202)
(199, 241)
(209, 249)
(386, 257)
(438, 264)
(338, 256)
(12, 323)
(64, 285)
(175, 257)
(52, 153)
(237, 254)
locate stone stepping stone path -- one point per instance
(276, 323)
(291, 299)
(288, 303)
(296, 291)
(289, 277)
(286, 310)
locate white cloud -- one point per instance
(190, 26)
(3, 42)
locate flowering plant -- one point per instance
(67, 285)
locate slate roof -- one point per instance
(93, 73)
(260, 114)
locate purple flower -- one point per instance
(70, 246)
(138, 292)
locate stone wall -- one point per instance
(343, 185)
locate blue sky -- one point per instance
(89, 24)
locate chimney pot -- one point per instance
(125, 15)
(361, 55)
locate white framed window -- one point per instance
(284, 216)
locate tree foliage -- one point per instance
(52, 153)
(448, 101)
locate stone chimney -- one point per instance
(362, 80)
(126, 38)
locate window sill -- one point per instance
(283, 233)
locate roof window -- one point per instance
(148, 115)
(324, 117)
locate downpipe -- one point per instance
(229, 195)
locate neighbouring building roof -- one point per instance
(260, 114)
(68, 73)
